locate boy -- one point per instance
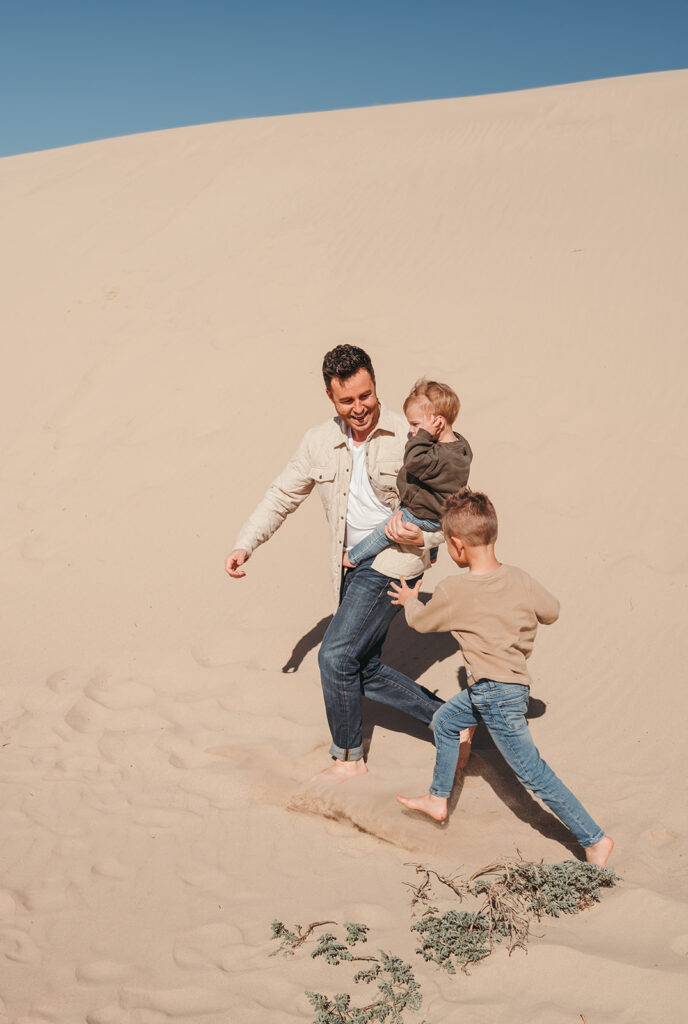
(493, 610)
(436, 464)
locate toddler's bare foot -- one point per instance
(341, 771)
(599, 853)
(346, 562)
(434, 806)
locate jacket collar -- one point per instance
(384, 425)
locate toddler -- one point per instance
(493, 611)
(436, 464)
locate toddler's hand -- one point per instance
(400, 592)
(437, 424)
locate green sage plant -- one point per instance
(506, 897)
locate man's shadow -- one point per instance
(413, 654)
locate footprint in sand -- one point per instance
(109, 1015)
(19, 947)
(102, 972)
(159, 817)
(88, 715)
(48, 896)
(663, 836)
(202, 876)
(8, 906)
(78, 768)
(186, 1003)
(110, 867)
(215, 945)
(183, 754)
(37, 549)
(211, 787)
(119, 695)
(64, 681)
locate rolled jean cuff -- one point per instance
(596, 839)
(353, 754)
(445, 796)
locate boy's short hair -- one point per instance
(343, 362)
(442, 399)
(471, 516)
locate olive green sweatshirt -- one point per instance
(493, 616)
(432, 471)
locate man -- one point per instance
(353, 460)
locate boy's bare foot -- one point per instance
(465, 739)
(599, 853)
(346, 562)
(434, 806)
(341, 771)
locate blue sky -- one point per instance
(76, 70)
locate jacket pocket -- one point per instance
(387, 469)
(323, 474)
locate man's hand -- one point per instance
(237, 558)
(404, 533)
(400, 593)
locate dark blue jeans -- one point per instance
(350, 665)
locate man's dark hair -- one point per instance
(343, 362)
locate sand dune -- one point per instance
(167, 302)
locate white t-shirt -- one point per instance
(364, 510)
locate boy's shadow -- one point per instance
(405, 650)
(413, 654)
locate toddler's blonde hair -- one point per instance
(442, 399)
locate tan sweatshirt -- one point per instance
(494, 618)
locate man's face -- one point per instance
(356, 402)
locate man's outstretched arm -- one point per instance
(235, 560)
(283, 496)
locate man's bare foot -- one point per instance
(599, 853)
(346, 562)
(434, 806)
(341, 771)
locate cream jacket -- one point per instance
(323, 460)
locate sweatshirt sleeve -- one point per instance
(437, 616)
(421, 456)
(545, 605)
(283, 496)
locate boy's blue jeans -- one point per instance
(350, 665)
(502, 707)
(378, 540)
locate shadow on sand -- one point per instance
(414, 653)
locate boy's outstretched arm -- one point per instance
(433, 617)
(545, 605)
(400, 592)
